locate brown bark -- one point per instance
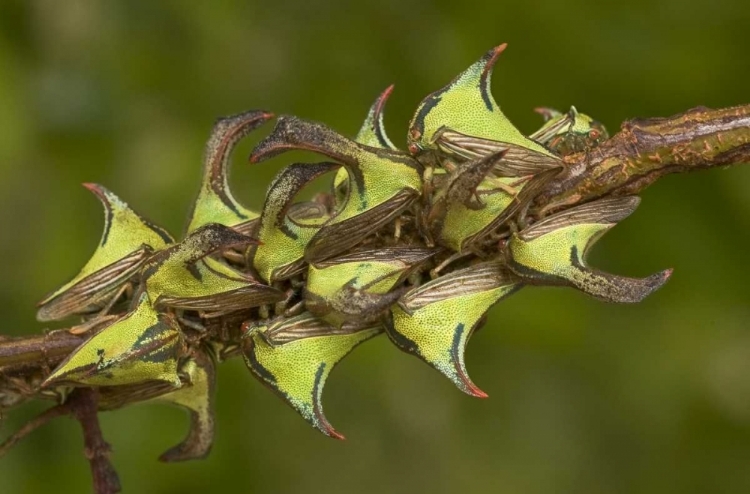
(16, 353)
(646, 150)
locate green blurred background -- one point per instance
(585, 397)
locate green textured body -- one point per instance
(356, 288)
(212, 208)
(420, 245)
(376, 181)
(215, 202)
(284, 230)
(382, 183)
(142, 345)
(281, 255)
(435, 321)
(298, 370)
(569, 133)
(553, 252)
(558, 254)
(466, 105)
(372, 133)
(185, 277)
(461, 224)
(128, 239)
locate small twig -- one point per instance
(83, 404)
(31, 350)
(33, 425)
(648, 149)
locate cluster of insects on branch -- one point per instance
(416, 244)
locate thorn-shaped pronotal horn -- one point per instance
(621, 289)
(213, 237)
(553, 252)
(372, 133)
(466, 106)
(435, 321)
(297, 371)
(294, 133)
(127, 241)
(124, 227)
(215, 202)
(284, 189)
(197, 396)
(283, 240)
(381, 182)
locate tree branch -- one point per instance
(646, 150)
(32, 425)
(83, 405)
(25, 350)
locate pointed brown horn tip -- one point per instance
(382, 99)
(385, 95)
(329, 431)
(321, 423)
(228, 235)
(656, 281)
(276, 142)
(240, 124)
(98, 190)
(467, 385)
(493, 54)
(496, 51)
(544, 111)
(259, 117)
(182, 452)
(664, 275)
(472, 389)
(95, 188)
(639, 289)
